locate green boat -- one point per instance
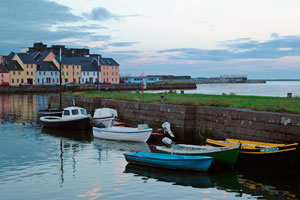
(222, 155)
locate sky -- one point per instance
(179, 37)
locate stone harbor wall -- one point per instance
(194, 123)
(110, 87)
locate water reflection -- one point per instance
(223, 180)
(77, 135)
(41, 162)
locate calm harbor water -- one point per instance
(271, 88)
(43, 164)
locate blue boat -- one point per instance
(170, 161)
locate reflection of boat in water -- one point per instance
(121, 146)
(225, 180)
(79, 135)
(281, 184)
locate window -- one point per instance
(87, 73)
(39, 73)
(83, 111)
(112, 80)
(19, 73)
(44, 73)
(51, 73)
(78, 73)
(55, 73)
(38, 80)
(93, 73)
(57, 81)
(67, 73)
(14, 73)
(75, 112)
(116, 73)
(66, 80)
(66, 112)
(27, 73)
(83, 80)
(2, 75)
(17, 80)
(31, 73)
(53, 80)
(12, 80)
(31, 66)
(83, 73)
(67, 67)
(22, 81)
(112, 73)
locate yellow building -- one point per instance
(23, 66)
(71, 73)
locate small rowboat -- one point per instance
(253, 147)
(224, 155)
(261, 154)
(170, 161)
(123, 133)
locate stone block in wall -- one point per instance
(186, 109)
(258, 125)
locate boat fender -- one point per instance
(167, 141)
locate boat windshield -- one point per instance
(66, 112)
(83, 111)
(75, 112)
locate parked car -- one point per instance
(106, 83)
(5, 84)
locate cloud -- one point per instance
(42, 20)
(122, 44)
(100, 14)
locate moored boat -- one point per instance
(223, 155)
(73, 118)
(170, 161)
(260, 154)
(123, 133)
(104, 116)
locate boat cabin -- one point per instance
(74, 112)
(105, 112)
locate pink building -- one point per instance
(4, 74)
(109, 70)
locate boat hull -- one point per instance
(195, 163)
(122, 134)
(106, 121)
(77, 124)
(269, 156)
(228, 156)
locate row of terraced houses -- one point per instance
(39, 65)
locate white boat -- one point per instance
(130, 134)
(104, 116)
(72, 118)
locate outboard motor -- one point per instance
(167, 141)
(167, 128)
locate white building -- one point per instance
(47, 73)
(90, 70)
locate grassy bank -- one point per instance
(274, 104)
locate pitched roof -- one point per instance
(87, 63)
(46, 66)
(3, 69)
(11, 64)
(108, 61)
